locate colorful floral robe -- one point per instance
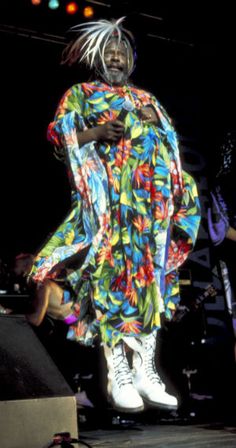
(134, 216)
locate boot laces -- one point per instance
(149, 363)
(152, 373)
(121, 367)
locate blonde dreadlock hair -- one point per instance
(89, 47)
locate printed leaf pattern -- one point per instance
(128, 200)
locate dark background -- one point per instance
(185, 57)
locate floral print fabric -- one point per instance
(134, 216)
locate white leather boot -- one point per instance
(145, 376)
(121, 392)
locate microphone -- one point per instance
(127, 107)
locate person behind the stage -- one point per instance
(222, 216)
(134, 216)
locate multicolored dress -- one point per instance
(133, 220)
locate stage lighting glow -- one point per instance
(88, 12)
(36, 2)
(72, 8)
(53, 4)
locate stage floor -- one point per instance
(121, 432)
(207, 436)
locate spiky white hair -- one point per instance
(91, 44)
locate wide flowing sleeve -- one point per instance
(184, 223)
(68, 118)
(185, 214)
(84, 226)
(182, 236)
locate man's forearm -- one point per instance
(87, 136)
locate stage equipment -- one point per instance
(35, 400)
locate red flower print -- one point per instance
(118, 159)
(119, 284)
(140, 173)
(52, 135)
(131, 327)
(80, 329)
(145, 273)
(142, 224)
(123, 153)
(105, 254)
(129, 273)
(140, 276)
(155, 195)
(132, 295)
(161, 210)
(181, 213)
(108, 115)
(118, 216)
(87, 88)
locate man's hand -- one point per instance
(112, 131)
(149, 115)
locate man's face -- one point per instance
(115, 58)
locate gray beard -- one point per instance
(117, 79)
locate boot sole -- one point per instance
(127, 410)
(163, 406)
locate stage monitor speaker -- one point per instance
(35, 400)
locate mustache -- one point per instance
(118, 67)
